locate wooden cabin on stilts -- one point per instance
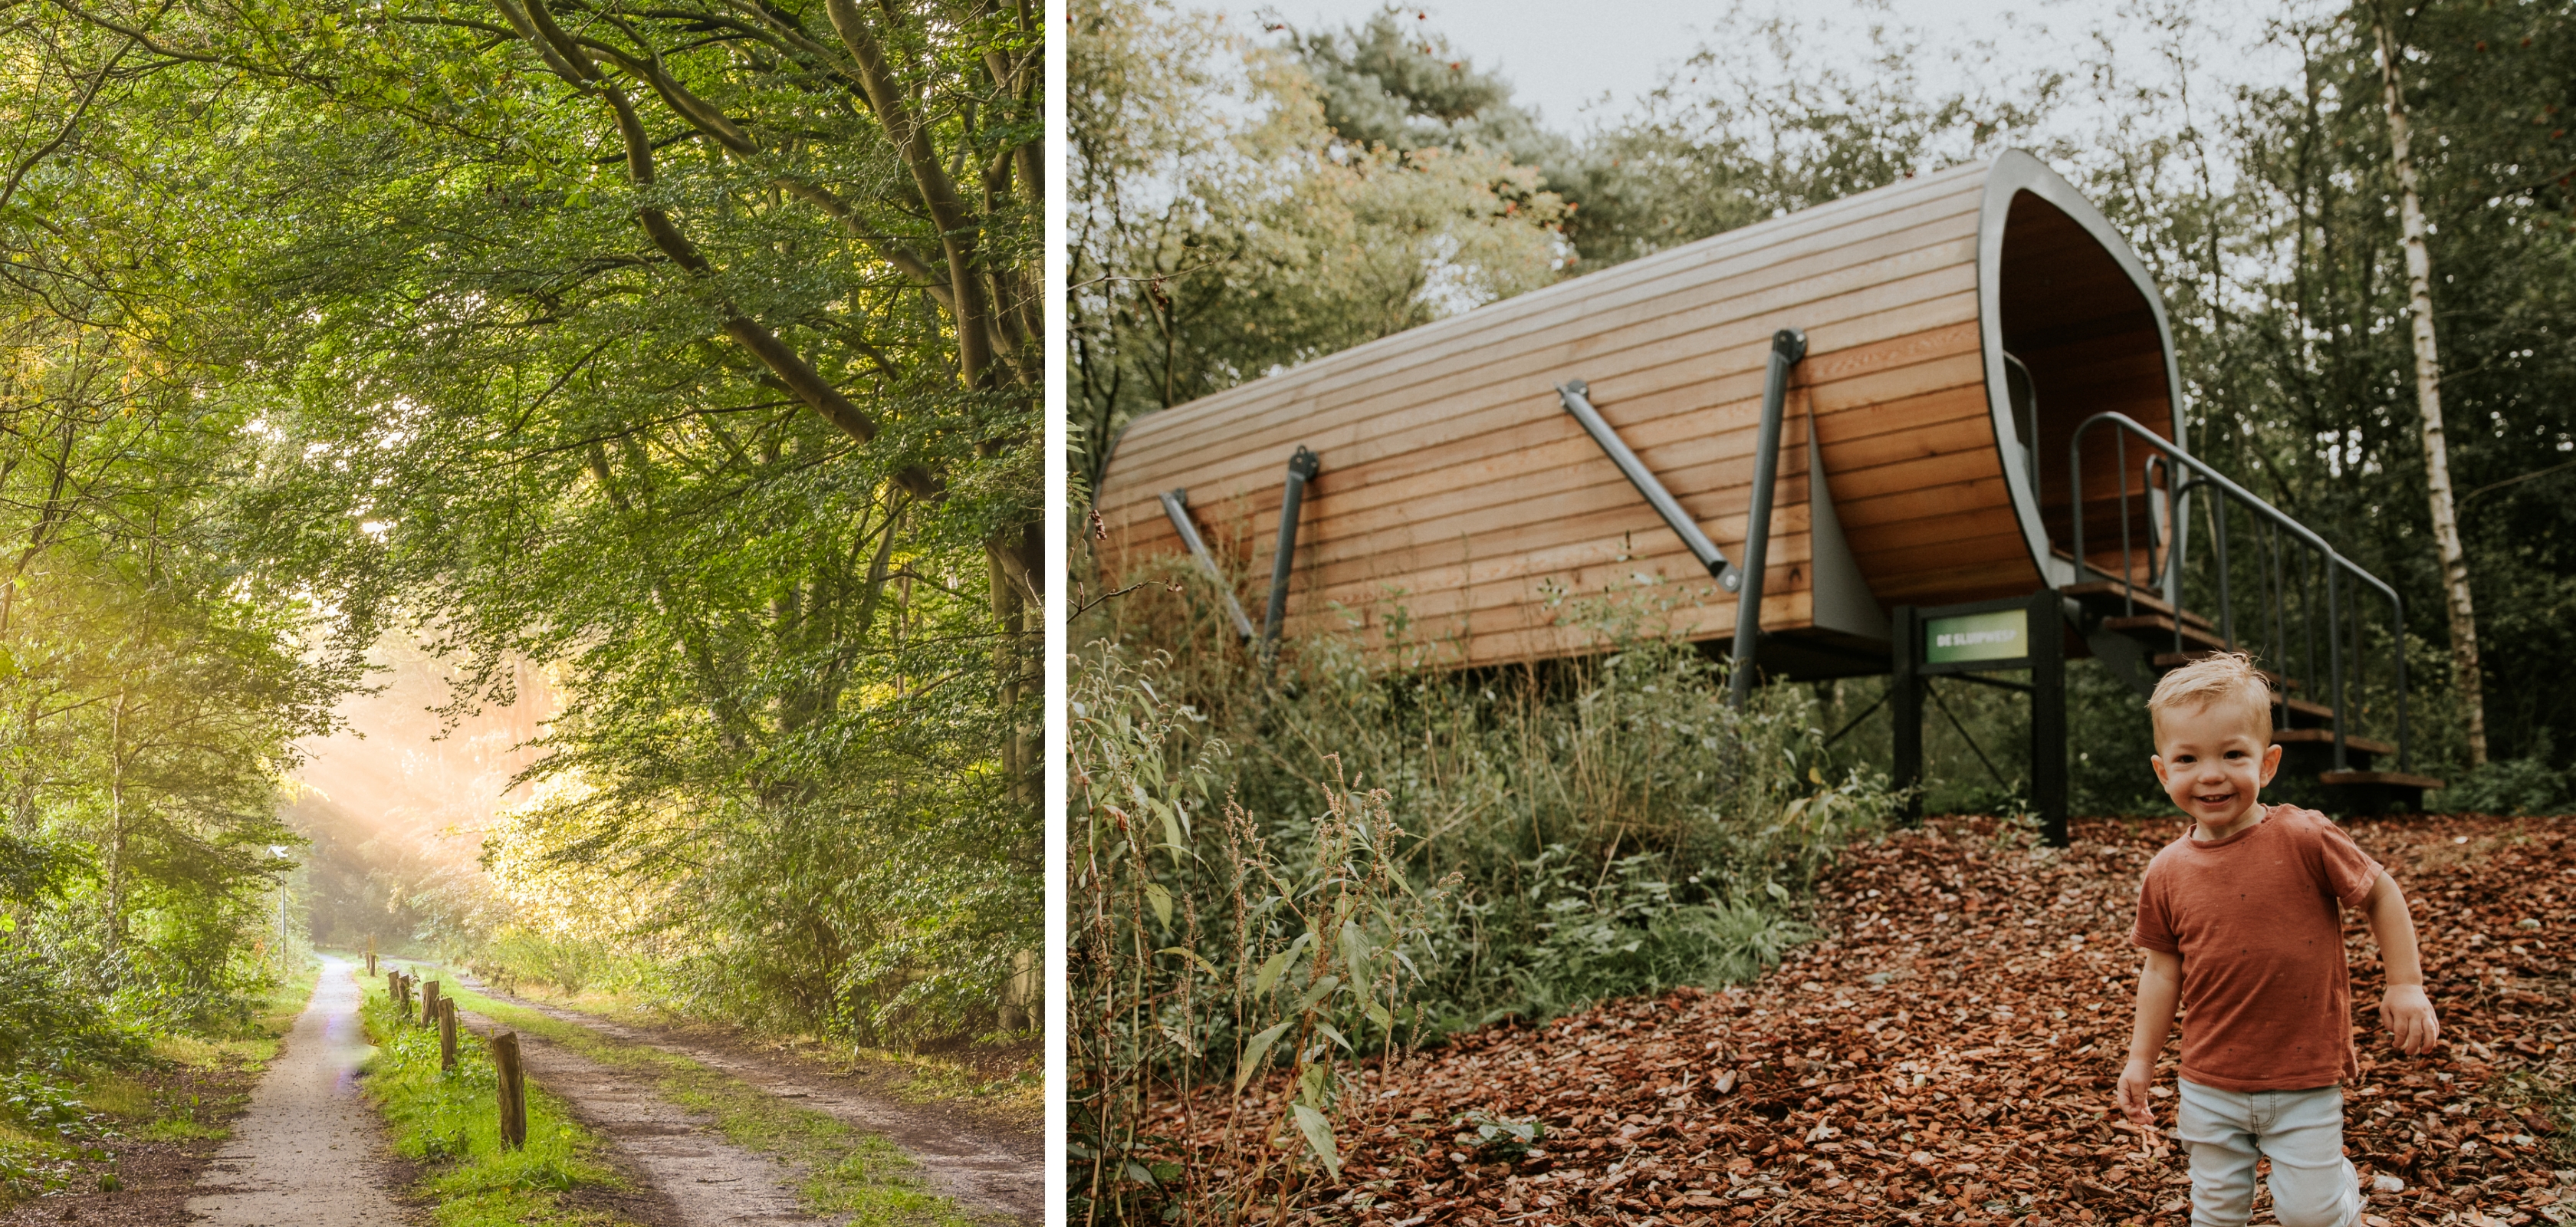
(1926, 431)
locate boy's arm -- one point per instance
(2403, 1009)
(2159, 988)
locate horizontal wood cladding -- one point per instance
(1722, 361)
(1607, 302)
(1368, 395)
(1457, 494)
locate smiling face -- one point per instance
(2213, 757)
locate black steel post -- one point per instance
(1787, 346)
(1905, 686)
(2218, 550)
(2397, 624)
(2048, 773)
(1301, 469)
(2334, 660)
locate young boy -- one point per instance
(2239, 922)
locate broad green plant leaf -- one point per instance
(1319, 1137)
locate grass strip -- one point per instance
(849, 1171)
(1017, 1098)
(450, 1122)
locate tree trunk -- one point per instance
(116, 828)
(2428, 400)
(1013, 575)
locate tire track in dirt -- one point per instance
(710, 1182)
(308, 1149)
(985, 1168)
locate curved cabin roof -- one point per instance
(1455, 485)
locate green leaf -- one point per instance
(1270, 969)
(1319, 1137)
(1255, 1051)
(1377, 1014)
(1317, 993)
(1161, 901)
(1355, 949)
(1191, 955)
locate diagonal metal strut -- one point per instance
(1577, 396)
(1176, 504)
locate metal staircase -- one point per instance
(2261, 583)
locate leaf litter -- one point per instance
(1947, 1053)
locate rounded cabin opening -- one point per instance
(2076, 327)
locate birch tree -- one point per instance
(2428, 398)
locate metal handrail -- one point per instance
(2177, 510)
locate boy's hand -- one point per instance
(2134, 1080)
(2408, 1015)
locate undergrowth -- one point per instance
(848, 1171)
(449, 1121)
(1316, 862)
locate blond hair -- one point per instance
(2221, 677)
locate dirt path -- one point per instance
(308, 1149)
(985, 1168)
(709, 1181)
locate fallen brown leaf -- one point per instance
(1948, 1052)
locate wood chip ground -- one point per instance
(1947, 1054)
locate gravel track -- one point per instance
(987, 1169)
(308, 1150)
(709, 1182)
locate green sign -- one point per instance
(2001, 635)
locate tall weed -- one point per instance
(1264, 838)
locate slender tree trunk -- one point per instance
(116, 828)
(2428, 400)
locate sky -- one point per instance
(1587, 69)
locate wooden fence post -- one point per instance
(371, 955)
(514, 1090)
(429, 1004)
(446, 1035)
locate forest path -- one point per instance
(709, 1181)
(986, 1168)
(308, 1149)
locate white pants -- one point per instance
(2301, 1132)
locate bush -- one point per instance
(1620, 789)
(44, 1027)
(1497, 843)
(518, 953)
(2508, 786)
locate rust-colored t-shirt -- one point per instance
(2266, 1003)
